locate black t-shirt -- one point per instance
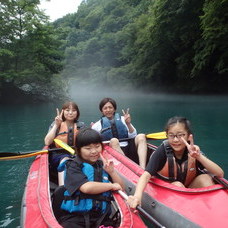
(75, 178)
(159, 158)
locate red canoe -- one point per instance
(37, 209)
(175, 206)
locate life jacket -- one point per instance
(113, 128)
(80, 202)
(172, 171)
(68, 135)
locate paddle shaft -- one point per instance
(159, 135)
(217, 179)
(120, 140)
(142, 211)
(220, 181)
(18, 155)
(3, 154)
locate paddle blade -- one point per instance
(64, 146)
(158, 135)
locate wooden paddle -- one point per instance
(142, 211)
(13, 156)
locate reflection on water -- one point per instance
(23, 128)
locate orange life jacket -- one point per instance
(171, 170)
(67, 135)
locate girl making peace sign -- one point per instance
(178, 160)
(65, 128)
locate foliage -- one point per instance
(211, 59)
(174, 45)
(29, 51)
(178, 46)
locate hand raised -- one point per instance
(193, 150)
(108, 164)
(58, 118)
(127, 116)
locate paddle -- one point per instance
(64, 146)
(158, 135)
(219, 180)
(18, 155)
(216, 179)
(142, 211)
(12, 156)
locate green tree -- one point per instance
(211, 59)
(171, 45)
(29, 49)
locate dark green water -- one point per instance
(23, 128)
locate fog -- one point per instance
(149, 111)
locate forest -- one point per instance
(177, 46)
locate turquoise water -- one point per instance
(23, 128)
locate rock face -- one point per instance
(30, 93)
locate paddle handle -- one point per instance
(142, 211)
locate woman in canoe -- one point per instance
(65, 128)
(89, 180)
(177, 160)
(113, 127)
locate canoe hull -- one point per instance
(36, 210)
(173, 206)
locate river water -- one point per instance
(23, 128)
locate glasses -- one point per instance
(179, 136)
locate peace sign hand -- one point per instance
(59, 117)
(193, 150)
(108, 164)
(127, 116)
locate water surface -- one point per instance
(23, 128)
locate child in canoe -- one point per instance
(177, 160)
(89, 181)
